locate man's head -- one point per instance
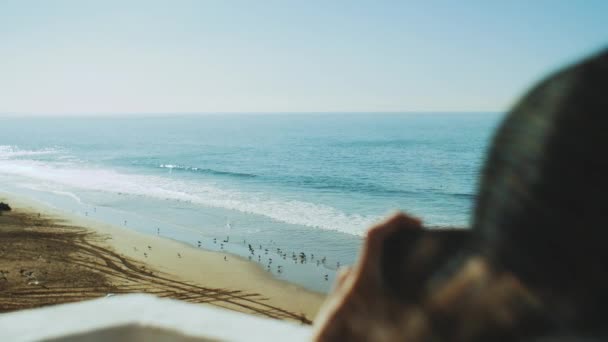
(534, 262)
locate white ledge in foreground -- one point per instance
(141, 317)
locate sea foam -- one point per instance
(57, 175)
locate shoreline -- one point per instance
(276, 244)
(183, 262)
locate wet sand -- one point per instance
(48, 257)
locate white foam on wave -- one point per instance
(68, 194)
(89, 178)
(9, 152)
(48, 188)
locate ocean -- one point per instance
(283, 183)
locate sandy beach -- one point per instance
(49, 257)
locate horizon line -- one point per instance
(247, 112)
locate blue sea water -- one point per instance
(309, 183)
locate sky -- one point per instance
(91, 57)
